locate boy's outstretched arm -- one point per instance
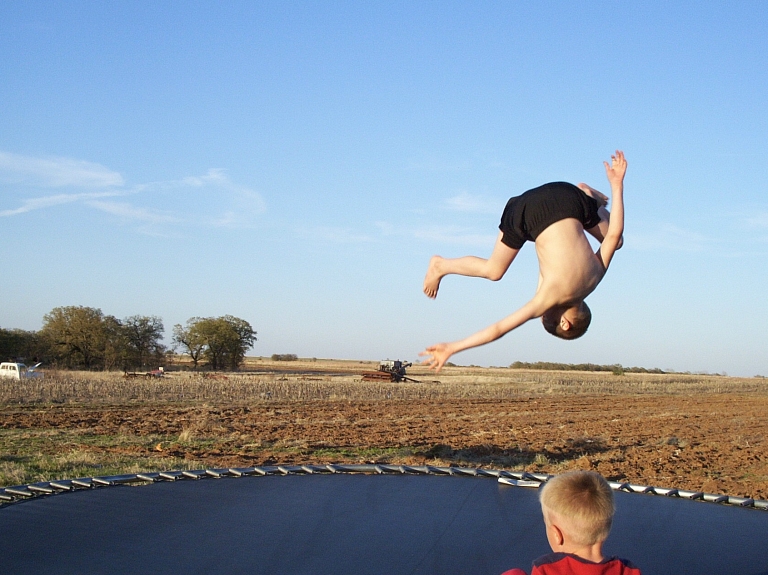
(615, 172)
(439, 353)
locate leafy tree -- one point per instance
(77, 335)
(237, 346)
(115, 344)
(18, 344)
(143, 335)
(221, 341)
(191, 339)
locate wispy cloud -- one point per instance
(455, 236)
(466, 202)
(31, 204)
(127, 211)
(444, 235)
(336, 235)
(241, 203)
(222, 203)
(438, 165)
(758, 220)
(667, 237)
(56, 172)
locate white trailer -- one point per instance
(18, 371)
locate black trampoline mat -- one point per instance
(356, 524)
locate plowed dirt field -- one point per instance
(711, 442)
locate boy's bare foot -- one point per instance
(602, 199)
(433, 277)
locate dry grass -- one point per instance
(328, 380)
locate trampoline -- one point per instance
(352, 519)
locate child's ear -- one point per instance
(559, 537)
(565, 325)
(555, 534)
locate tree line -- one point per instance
(615, 368)
(79, 337)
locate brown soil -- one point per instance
(713, 443)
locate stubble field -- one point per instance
(695, 432)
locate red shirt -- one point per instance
(569, 564)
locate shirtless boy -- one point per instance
(555, 217)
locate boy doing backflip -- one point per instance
(555, 217)
(578, 512)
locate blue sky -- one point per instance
(296, 164)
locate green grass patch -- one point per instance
(34, 455)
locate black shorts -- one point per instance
(529, 214)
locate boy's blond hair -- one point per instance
(582, 502)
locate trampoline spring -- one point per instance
(84, 483)
(534, 477)
(741, 501)
(19, 492)
(686, 494)
(661, 491)
(192, 474)
(308, 469)
(61, 486)
(215, 473)
(40, 489)
(147, 478)
(488, 473)
(170, 475)
(259, 471)
(101, 481)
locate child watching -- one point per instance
(578, 512)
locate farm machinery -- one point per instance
(390, 370)
(159, 372)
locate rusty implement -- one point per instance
(389, 370)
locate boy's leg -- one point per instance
(493, 268)
(599, 231)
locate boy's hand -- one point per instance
(616, 169)
(438, 355)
